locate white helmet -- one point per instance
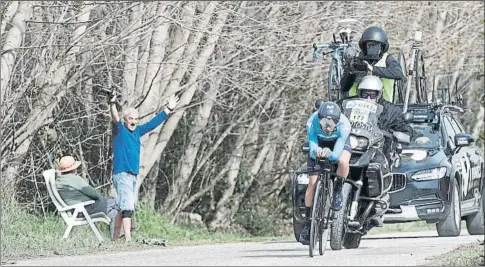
(370, 82)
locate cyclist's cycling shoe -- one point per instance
(305, 235)
(337, 198)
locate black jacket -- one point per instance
(392, 71)
(391, 117)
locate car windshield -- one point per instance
(420, 130)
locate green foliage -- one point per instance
(261, 220)
(27, 236)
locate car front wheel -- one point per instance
(451, 224)
(474, 222)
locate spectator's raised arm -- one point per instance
(115, 117)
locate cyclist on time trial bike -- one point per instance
(326, 128)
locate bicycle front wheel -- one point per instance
(333, 81)
(314, 227)
(324, 225)
(420, 78)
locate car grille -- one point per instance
(398, 182)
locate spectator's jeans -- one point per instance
(106, 205)
(125, 185)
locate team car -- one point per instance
(440, 181)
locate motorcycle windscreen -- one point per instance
(363, 117)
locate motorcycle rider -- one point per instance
(374, 46)
(327, 127)
(371, 89)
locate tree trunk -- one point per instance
(182, 183)
(178, 47)
(206, 157)
(150, 144)
(222, 214)
(43, 108)
(151, 87)
(185, 99)
(12, 42)
(11, 10)
(131, 58)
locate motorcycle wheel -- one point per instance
(339, 225)
(297, 227)
(352, 240)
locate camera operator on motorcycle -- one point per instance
(374, 57)
(327, 127)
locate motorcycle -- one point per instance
(365, 192)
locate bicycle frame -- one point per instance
(321, 174)
(321, 216)
(337, 55)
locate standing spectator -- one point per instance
(126, 155)
(73, 189)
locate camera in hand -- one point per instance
(358, 65)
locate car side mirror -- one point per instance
(305, 147)
(462, 139)
(402, 137)
(408, 117)
(399, 148)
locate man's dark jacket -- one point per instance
(391, 118)
(392, 70)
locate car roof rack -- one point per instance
(431, 112)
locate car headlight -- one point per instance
(430, 174)
(358, 143)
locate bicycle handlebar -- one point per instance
(334, 46)
(313, 169)
(323, 161)
(330, 45)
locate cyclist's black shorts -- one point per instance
(330, 144)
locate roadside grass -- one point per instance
(468, 255)
(28, 236)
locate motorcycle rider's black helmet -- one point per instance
(329, 110)
(376, 34)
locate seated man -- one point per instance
(73, 189)
(374, 46)
(327, 128)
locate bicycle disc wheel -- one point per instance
(420, 76)
(324, 225)
(333, 83)
(315, 218)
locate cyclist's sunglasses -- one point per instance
(367, 95)
(328, 123)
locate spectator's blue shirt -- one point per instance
(127, 144)
(316, 133)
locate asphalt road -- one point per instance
(398, 249)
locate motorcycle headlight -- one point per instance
(358, 143)
(430, 174)
(303, 178)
